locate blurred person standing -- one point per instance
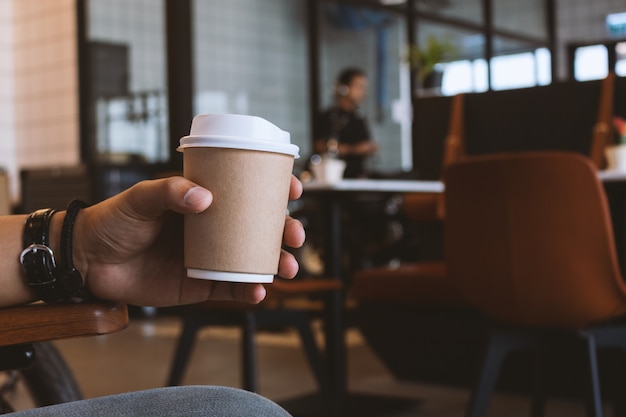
(342, 129)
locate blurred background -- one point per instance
(112, 85)
(95, 95)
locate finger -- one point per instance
(287, 265)
(294, 234)
(150, 199)
(230, 291)
(295, 189)
(254, 294)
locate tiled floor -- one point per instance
(139, 358)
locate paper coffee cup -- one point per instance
(329, 171)
(616, 157)
(246, 162)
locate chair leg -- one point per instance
(498, 348)
(312, 352)
(183, 350)
(594, 404)
(248, 352)
(538, 401)
(619, 409)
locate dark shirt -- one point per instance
(347, 127)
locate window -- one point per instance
(620, 65)
(467, 70)
(518, 64)
(126, 42)
(591, 63)
(464, 77)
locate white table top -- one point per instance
(393, 186)
(413, 186)
(612, 175)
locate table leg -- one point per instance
(616, 195)
(335, 335)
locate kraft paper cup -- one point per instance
(246, 162)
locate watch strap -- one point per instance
(37, 227)
(52, 282)
(37, 259)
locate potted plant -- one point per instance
(424, 59)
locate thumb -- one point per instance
(150, 199)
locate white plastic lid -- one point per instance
(238, 132)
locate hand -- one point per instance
(130, 247)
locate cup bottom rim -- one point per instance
(229, 276)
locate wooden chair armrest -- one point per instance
(38, 322)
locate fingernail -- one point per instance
(197, 195)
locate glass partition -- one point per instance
(250, 57)
(127, 81)
(373, 40)
(470, 10)
(523, 17)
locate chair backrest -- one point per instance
(5, 196)
(529, 239)
(454, 145)
(54, 187)
(602, 131)
(560, 116)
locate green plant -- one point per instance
(423, 59)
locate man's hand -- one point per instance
(130, 247)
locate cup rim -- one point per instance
(229, 276)
(235, 142)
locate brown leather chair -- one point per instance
(602, 130)
(421, 207)
(529, 242)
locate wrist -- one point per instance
(48, 257)
(56, 224)
(80, 255)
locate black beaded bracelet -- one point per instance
(52, 282)
(73, 278)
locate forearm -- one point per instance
(345, 149)
(363, 148)
(13, 289)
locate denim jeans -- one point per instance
(165, 402)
